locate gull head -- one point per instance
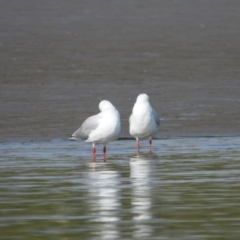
(143, 97)
(105, 104)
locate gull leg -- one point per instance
(93, 148)
(94, 158)
(150, 145)
(104, 149)
(138, 145)
(104, 154)
(93, 153)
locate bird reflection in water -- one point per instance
(140, 171)
(105, 205)
(103, 157)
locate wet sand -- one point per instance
(59, 59)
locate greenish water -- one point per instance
(188, 188)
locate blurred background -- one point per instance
(58, 59)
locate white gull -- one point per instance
(101, 128)
(144, 121)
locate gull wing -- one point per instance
(89, 125)
(156, 117)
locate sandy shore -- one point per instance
(59, 59)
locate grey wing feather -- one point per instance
(156, 117)
(89, 125)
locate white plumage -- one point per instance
(144, 120)
(101, 128)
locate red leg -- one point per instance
(150, 145)
(104, 149)
(94, 157)
(93, 153)
(104, 154)
(137, 144)
(93, 149)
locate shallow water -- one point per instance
(188, 188)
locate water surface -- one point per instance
(188, 188)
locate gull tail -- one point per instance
(73, 138)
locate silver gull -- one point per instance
(144, 120)
(101, 128)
